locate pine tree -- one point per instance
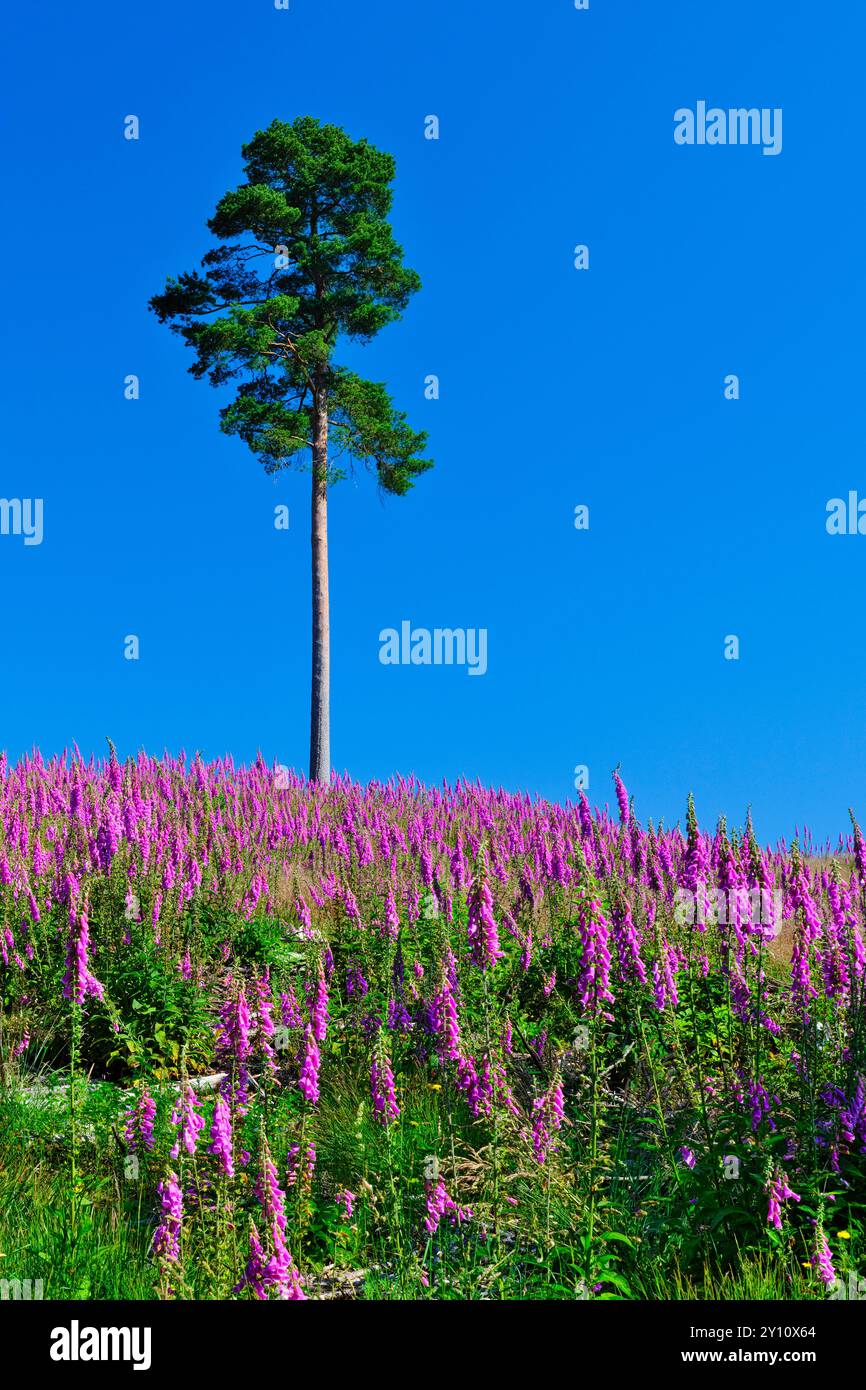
(304, 256)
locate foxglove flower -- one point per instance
(824, 1260)
(308, 1082)
(483, 934)
(548, 1115)
(319, 1008)
(385, 1107)
(221, 1135)
(271, 1269)
(440, 1204)
(78, 982)
(189, 1121)
(778, 1192)
(166, 1240)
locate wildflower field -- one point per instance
(262, 1039)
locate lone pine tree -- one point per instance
(305, 254)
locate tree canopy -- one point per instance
(305, 254)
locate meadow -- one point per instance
(265, 1039)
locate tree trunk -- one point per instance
(320, 702)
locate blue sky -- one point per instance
(558, 387)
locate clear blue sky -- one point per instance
(557, 388)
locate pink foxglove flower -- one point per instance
(221, 1135)
(78, 982)
(308, 1082)
(166, 1240)
(384, 1095)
